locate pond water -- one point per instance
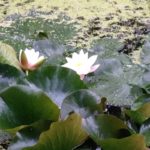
(74, 23)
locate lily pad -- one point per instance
(8, 55)
(105, 126)
(58, 82)
(133, 142)
(145, 53)
(141, 114)
(145, 131)
(52, 51)
(9, 76)
(107, 48)
(29, 135)
(65, 135)
(22, 105)
(115, 81)
(83, 102)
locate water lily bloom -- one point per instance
(81, 63)
(29, 59)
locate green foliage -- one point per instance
(114, 81)
(133, 142)
(106, 48)
(29, 135)
(52, 51)
(145, 131)
(104, 127)
(145, 54)
(9, 76)
(8, 55)
(22, 105)
(140, 115)
(51, 108)
(62, 135)
(83, 102)
(56, 81)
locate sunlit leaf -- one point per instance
(8, 55)
(62, 135)
(133, 142)
(140, 115)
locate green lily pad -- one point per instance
(9, 76)
(8, 55)
(105, 126)
(52, 51)
(29, 135)
(106, 47)
(83, 102)
(145, 53)
(64, 135)
(22, 105)
(133, 142)
(142, 99)
(114, 81)
(57, 82)
(145, 131)
(141, 114)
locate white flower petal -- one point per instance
(83, 56)
(75, 56)
(94, 68)
(86, 55)
(81, 53)
(83, 70)
(67, 65)
(36, 54)
(68, 59)
(20, 53)
(41, 58)
(81, 64)
(92, 60)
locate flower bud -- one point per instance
(30, 60)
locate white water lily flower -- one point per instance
(81, 63)
(29, 59)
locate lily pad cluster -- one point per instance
(51, 108)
